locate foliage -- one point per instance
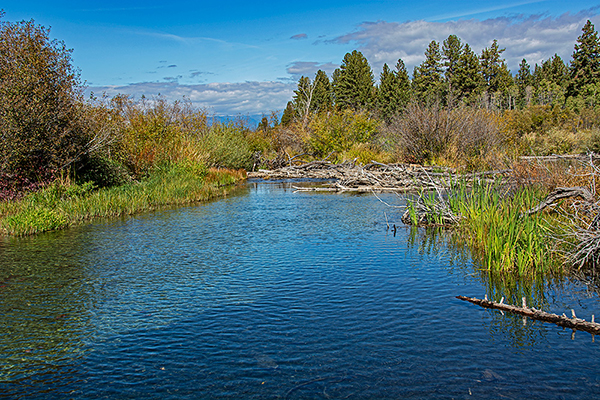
(452, 49)
(353, 83)
(427, 77)
(394, 91)
(339, 131)
(461, 136)
(226, 145)
(585, 67)
(40, 111)
(467, 77)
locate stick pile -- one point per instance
(373, 177)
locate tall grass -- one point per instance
(65, 203)
(501, 236)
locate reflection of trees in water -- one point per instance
(43, 315)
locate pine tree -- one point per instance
(468, 77)
(585, 67)
(524, 80)
(403, 83)
(493, 67)
(451, 53)
(498, 79)
(394, 90)
(288, 114)
(552, 70)
(353, 85)
(321, 99)
(427, 77)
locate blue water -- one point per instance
(277, 295)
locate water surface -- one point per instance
(274, 294)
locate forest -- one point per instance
(459, 108)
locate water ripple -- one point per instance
(269, 294)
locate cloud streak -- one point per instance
(309, 68)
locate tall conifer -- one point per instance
(427, 77)
(585, 67)
(353, 82)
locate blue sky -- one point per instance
(245, 57)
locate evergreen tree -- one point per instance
(353, 85)
(468, 77)
(552, 70)
(495, 73)
(403, 83)
(394, 90)
(427, 77)
(524, 80)
(451, 53)
(585, 67)
(498, 79)
(288, 114)
(321, 99)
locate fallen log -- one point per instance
(533, 313)
(562, 193)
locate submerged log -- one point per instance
(533, 313)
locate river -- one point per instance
(271, 294)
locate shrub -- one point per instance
(460, 136)
(40, 107)
(338, 131)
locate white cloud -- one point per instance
(535, 37)
(309, 68)
(246, 98)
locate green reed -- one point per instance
(64, 204)
(502, 237)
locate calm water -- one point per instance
(271, 294)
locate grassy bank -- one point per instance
(63, 203)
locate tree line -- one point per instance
(453, 74)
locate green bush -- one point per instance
(40, 106)
(339, 131)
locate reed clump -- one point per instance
(501, 235)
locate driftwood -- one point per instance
(562, 193)
(373, 177)
(560, 320)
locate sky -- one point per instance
(245, 58)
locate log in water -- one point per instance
(533, 313)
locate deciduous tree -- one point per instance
(40, 95)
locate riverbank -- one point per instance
(64, 204)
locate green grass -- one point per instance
(500, 236)
(65, 204)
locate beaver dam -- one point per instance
(375, 177)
